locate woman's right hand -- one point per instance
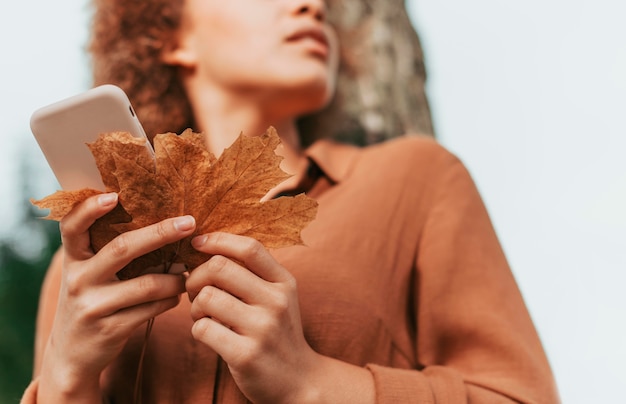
(96, 311)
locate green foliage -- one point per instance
(24, 258)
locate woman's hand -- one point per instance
(245, 307)
(97, 312)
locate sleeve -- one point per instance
(475, 340)
(45, 317)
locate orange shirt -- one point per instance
(402, 273)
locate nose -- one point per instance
(315, 8)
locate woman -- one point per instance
(402, 293)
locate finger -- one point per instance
(222, 306)
(120, 295)
(224, 341)
(251, 253)
(225, 274)
(132, 317)
(75, 225)
(124, 248)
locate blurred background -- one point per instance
(530, 95)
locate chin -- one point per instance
(301, 88)
(307, 72)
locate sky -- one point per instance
(530, 95)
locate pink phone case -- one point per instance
(62, 130)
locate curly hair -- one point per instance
(127, 39)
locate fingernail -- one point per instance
(199, 241)
(184, 223)
(107, 199)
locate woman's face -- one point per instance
(281, 51)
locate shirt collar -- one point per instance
(336, 160)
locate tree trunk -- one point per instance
(382, 78)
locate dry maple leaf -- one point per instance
(185, 179)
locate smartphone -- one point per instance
(64, 128)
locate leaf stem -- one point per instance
(137, 396)
(139, 378)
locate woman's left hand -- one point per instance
(245, 307)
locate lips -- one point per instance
(315, 37)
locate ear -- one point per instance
(179, 53)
